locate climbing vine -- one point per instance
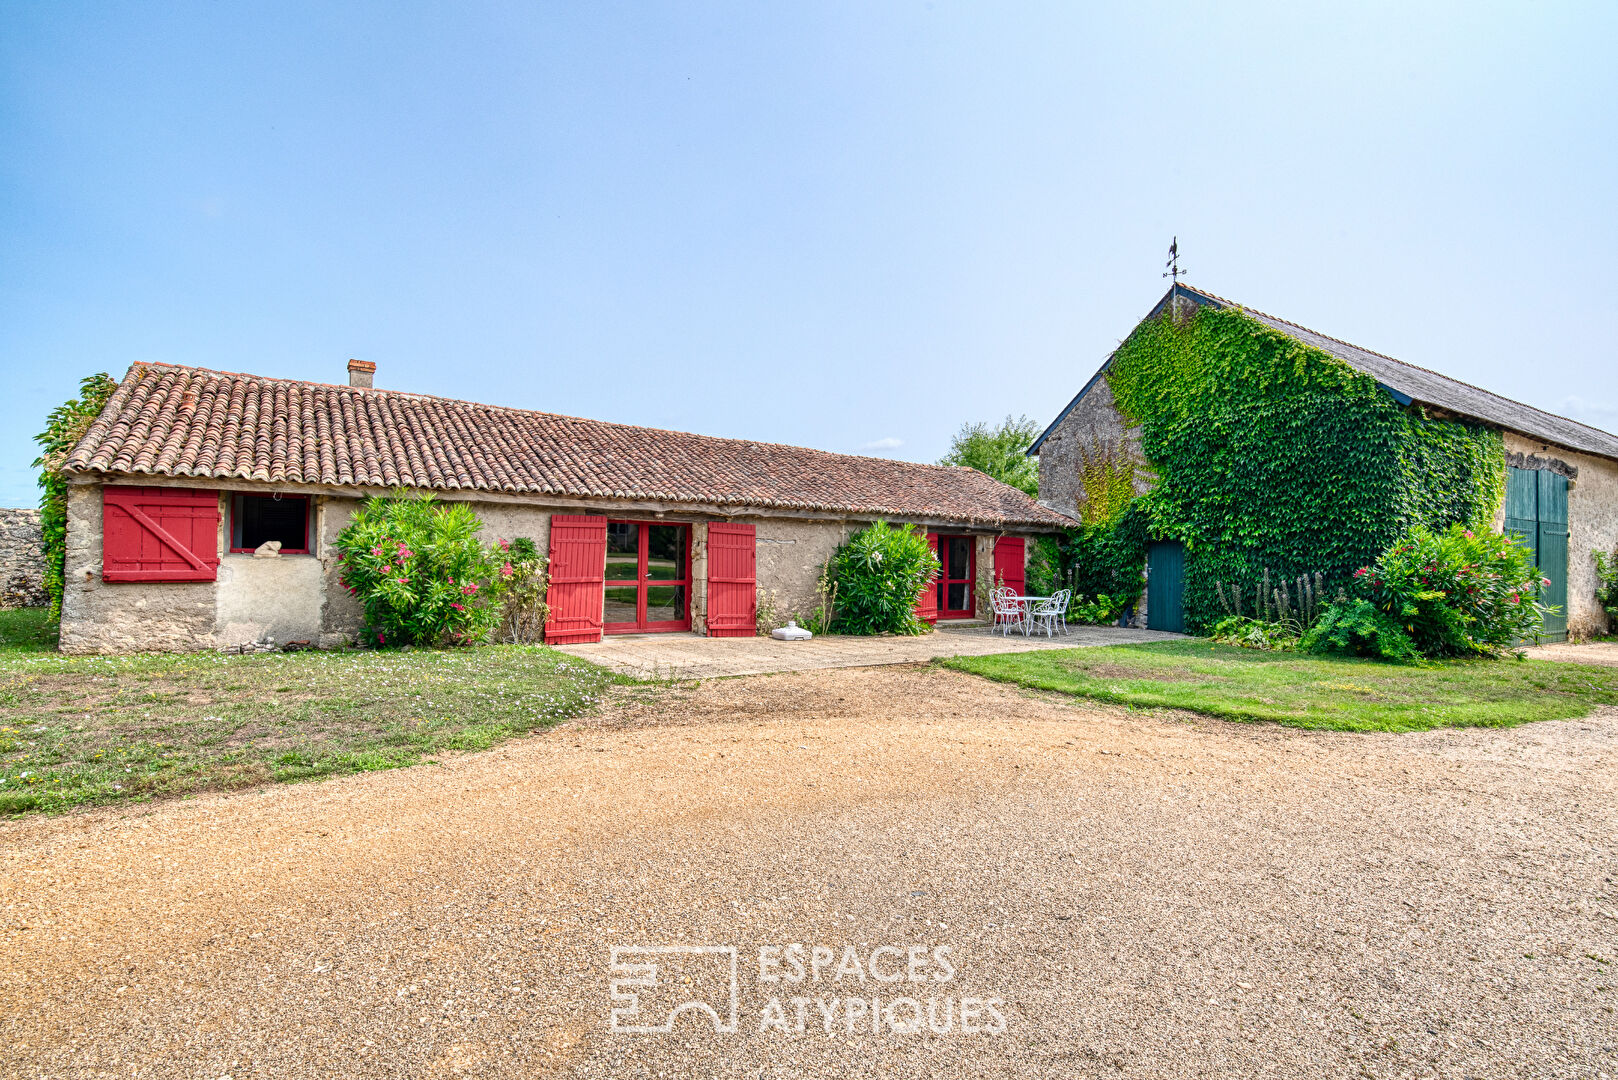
(64, 427)
(1272, 454)
(1107, 478)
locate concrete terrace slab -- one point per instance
(688, 656)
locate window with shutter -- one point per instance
(159, 534)
(732, 579)
(578, 570)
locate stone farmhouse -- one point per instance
(1561, 483)
(187, 471)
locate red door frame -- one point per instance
(945, 581)
(641, 584)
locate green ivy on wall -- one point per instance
(1271, 453)
(64, 427)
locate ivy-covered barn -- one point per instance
(1217, 441)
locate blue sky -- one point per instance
(851, 226)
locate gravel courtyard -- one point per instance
(1144, 895)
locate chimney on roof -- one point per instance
(360, 372)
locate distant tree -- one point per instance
(1000, 451)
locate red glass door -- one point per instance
(648, 586)
(957, 578)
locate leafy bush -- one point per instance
(1352, 626)
(1108, 559)
(421, 572)
(1102, 611)
(523, 610)
(64, 427)
(1456, 593)
(1607, 585)
(1046, 571)
(1251, 633)
(879, 576)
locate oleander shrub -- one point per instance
(879, 576)
(1460, 592)
(422, 572)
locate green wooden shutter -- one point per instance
(1551, 550)
(1522, 507)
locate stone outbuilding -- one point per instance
(187, 472)
(1561, 475)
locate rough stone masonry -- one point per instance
(22, 560)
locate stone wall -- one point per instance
(125, 617)
(789, 557)
(22, 561)
(1094, 421)
(1592, 521)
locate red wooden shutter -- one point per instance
(159, 534)
(927, 606)
(732, 579)
(1010, 567)
(578, 571)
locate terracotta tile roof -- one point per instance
(192, 422)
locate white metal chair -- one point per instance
(1063, 598)
(1008, 611)
(1045, 615)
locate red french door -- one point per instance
(957, 578)
(648, 586)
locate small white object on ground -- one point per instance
(269, 549)
(791, 632)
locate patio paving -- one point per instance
(689, 656)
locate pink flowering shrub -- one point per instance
(1462, 592)
(421, 571)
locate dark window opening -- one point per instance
(255, 519)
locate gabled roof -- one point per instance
(166, 420)
(1407, 383)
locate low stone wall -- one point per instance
(22, 562)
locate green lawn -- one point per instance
(83, 730)
(1310, 691)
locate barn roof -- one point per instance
(168, 420)
(1408, 383)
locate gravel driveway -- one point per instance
(1143, 895)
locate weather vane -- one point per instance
(1173, 264)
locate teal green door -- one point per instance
(1536, 512)
(1165, 586)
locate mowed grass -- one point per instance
(76, 731)
(1309, 691)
